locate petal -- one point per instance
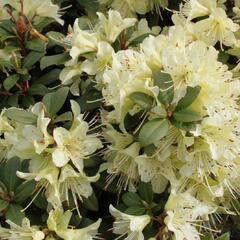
(60, 158)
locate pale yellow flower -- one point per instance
(218, 27)
(24, 232)
(58, 222)
(128, 226)
(111, 27)
(74, 144)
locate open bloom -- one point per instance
(32, 8)
(111, 28)
(128, 226)
(58, 222)
(74, 144)
(75, 182)
(183, 212)
(218, 27)
(24, 232)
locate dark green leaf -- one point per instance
(40, 202)
(27, 101)
(3, 204)
(15, 214)
(135, 210)
(187, 115)
(24, 191)
(9, 175)
(10, 81)
(41, 22)
(55, 100)
(225, 236)
(32, 58)
(49, 78)
(145, 192)
(142, 99)
(90, 100)
(153, 131)
(38, 89)
(13, 100)
(191, 126)
(36, 45)
(166, 87)
(191, 94)
(150, 149)
(58, 59)
(20, 115)
(131, 199)
(91, 203)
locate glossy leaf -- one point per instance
(55, 100)
(153, 131)
(187, 116)
(191, 94)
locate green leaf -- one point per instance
(3, 187)
(67, 116)
(41, 22)
(32, 58)
(36, 45)
(10, 178)
(166, 87)
(40, 202)
(187, 115)
(91, 203)
(142, 99)
(38, 89)
(23, 191)
(55, 100)
(13, 100)
(3, 204)
(191, 94)
(49, 78)
(207, 237)
(90, 100)
(150, 149)
(225, 236)
(10, 81)
(190, 126)
(27, 101)
(135, 210)
(145, 192)
(153, 131)
(131, 199)
(14, 213)
(20, 115)
(58, 59)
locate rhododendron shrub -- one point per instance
(119, 119)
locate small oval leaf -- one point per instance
(153, 130)
(131, 199)
(191, 94)
(187, 115)
(142, 99)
